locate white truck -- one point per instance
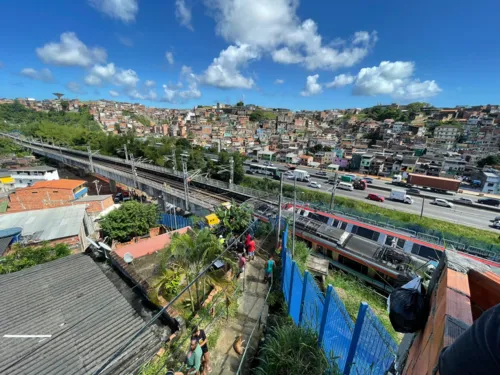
(301, 175)
(400, 196)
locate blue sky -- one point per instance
(281, 53)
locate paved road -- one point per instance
(472, 217)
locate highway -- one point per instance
(469, 216)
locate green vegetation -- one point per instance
(352, 292)
(301, 255)
(292, 350)
(139, 118)
(236, 219)
(381, 113)
(24, 257)
(8, 147)
(414, 222)
(130, 220)
(240, 104)
(260, 115)
(489, 160)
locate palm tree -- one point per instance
(192, 253)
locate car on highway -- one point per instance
(268, 164)
(122, 197)
(442, 203)
(489, 201)
(314, 184)
(368, 180)
(321, 173)
(466, 201)
(249, 171)
(413, 191)
(352, 176)
(496, 224)
(255, 161)
(376, 197)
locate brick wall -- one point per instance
(97, 206)
(30, 199)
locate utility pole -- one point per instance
(422, 210)
(332, 199)
(294, 210)
(174, 161)
(97, 186)
(89, 150)
(134, 170)
(126, 151)
(231, 172)
(184, 158)
(280, 202)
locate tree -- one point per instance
(489, 160)
(240, 104)
(24, 257)
(130, 220)
(191, 253)
(64, 105)
(236, 219)
(257, 116)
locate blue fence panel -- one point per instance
(175, 221)
(296, 295)
(287, 275)
(314, 302)
(338, 331)
(376, 349)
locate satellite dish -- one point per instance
(128, 258)
(93, 243)
(104, 246)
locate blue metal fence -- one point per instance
(175, 221)
(360, 347)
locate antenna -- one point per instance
(128, 258)
(105, 248)
(93, 243)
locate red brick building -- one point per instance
(47, 194)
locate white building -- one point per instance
(27, 176)
(490, 183)
(446, 132)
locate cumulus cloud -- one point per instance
(340, 80)
(183, 14)
(71, 51)
(44, 75)
(312, 86)
(274, 27)
(224, 72)
(394, 79)
(149, 83)
(279, 81)
(123, 10)
(170, 57)
(127, 42)
(74, 87)
(173, 93)
(114, 93)
(128, 78)
(109, 73)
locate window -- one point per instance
(34, 192)
(55, 191)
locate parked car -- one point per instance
(376, 197)
(314, 184)
(413, 191)
(466, 201)
(249, 171)
(368, 180)
(442, 203)
(122, 197)
(321, 173)
(496, 224)
(489, 201)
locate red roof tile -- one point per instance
(57, 184)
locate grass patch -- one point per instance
(438, 228)
(352, 292)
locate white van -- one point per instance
(345, 186)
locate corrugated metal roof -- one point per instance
(53, 222)
(72, 300)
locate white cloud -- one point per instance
(100, 73)
(170, 57)
(279, 81)
(149, 83)
(74, 87)
(183, 14)
(127, 78)
(127, 42)
(124, 10)
(312, 86)
(44, 75)
(341, 80)
(286, 56)
(224, 72)
(70, 51)
(173, 92)
(274, 27)
(114, 93)
(394, 79)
